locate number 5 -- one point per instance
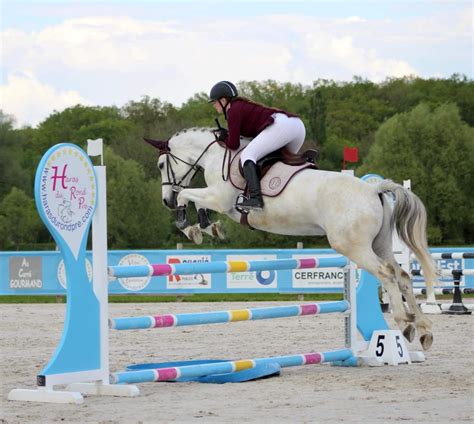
(380, 345)
(399, 346)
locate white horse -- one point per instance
(356, 216)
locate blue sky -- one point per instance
(37, 14)
(60, 53)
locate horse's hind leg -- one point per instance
(362, 254)
(382, 246)
(422, 323)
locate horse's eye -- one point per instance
(160, 166)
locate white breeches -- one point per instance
(285, 131)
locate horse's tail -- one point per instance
(409, 219)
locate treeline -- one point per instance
(414, 128)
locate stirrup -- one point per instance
(246, 204)
(238, 201)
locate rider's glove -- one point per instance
(222, 134)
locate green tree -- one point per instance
(196, 112)
(136, 217)
(434, 148)
(75, 124)
(4, 234)
(431, 144)
(19, 220)
(331, 154)
(317, 118)
(154, 117)
(288, 96)
(64, 126)
(352, 113)
(405, 93)
(12, 168)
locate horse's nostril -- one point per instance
(165, 202)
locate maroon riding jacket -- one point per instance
(248, 119)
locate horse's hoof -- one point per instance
(409, 333)
(182, 225)
(218, 231)
(195, 235)
(426, 341)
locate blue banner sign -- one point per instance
(43, 273)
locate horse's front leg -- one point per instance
(204, 199)
(192, 232)
(214, 229)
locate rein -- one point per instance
(228, 157)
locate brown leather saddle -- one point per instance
(288, 158)
(283, 155)
(275, 171)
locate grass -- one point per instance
(244, 297)
(241, 297)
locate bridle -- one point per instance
(177, 186)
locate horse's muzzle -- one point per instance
(172, 202)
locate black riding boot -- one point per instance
(254, 201)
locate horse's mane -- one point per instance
(200, 129)
(193, 129)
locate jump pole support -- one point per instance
(82, 353)
(457, 307)
(101, 283)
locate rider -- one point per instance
(270, 128)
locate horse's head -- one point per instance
(178, 163)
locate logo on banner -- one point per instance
(66, 194)
(134, 283)
(61, 273)
(442, 264)
(25, 272)
(253, 279)
(193, 281)
(317, 277)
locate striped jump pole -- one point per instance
(173, 373)
(454, 255)
(224, 267)
(447, 272)
(251, 314)
(443, 291)
(457, 307)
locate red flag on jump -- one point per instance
(351, 154)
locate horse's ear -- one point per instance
(162, 146)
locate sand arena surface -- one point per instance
(437, 391)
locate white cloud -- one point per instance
(355, 19)
(30, 101)
(110, 60)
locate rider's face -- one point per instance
(218, 104)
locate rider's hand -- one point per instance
(222, 134)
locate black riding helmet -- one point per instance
(223, 89)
